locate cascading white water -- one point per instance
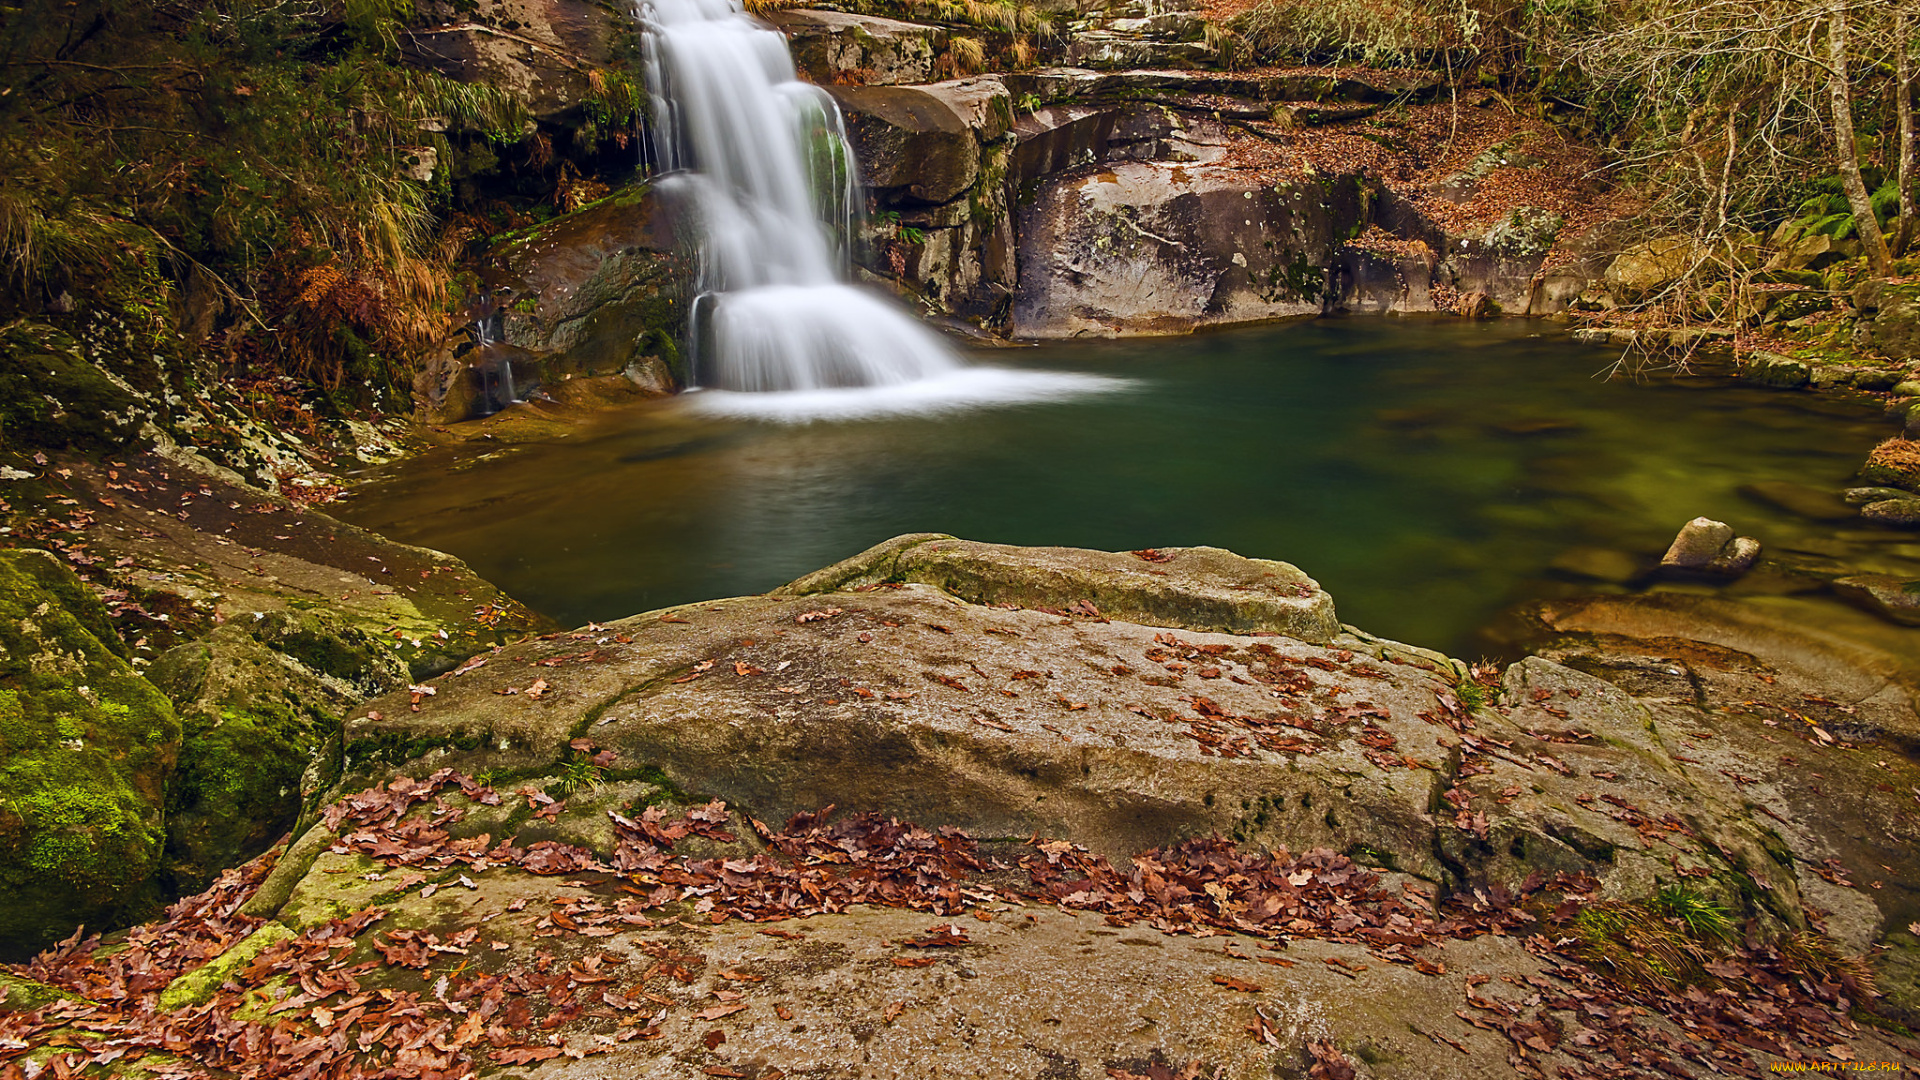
(763, 160)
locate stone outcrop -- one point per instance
(1894, 463)
(1187, 588)
(1788, 708)
(1889, 319)
(1122, 701)
(936, 158)
(146, 747)
(675, 934)
(1103, 204)
(260, 702)
(1159, 247)
(838, 47)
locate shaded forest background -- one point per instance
(267, 195)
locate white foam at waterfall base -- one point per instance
(766, 169)
(959, 389)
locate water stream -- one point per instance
(1428, 472)
(762, 162)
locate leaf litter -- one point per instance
(303, 1005)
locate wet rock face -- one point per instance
(937, 160)
(86, 746)
(598, 294)
(924, 142)
(999, 213)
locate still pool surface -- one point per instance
(1427, 472)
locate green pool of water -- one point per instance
(1427, 472)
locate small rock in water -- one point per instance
(1903, 511)
(1706, 546)
(1891, 597)
(1861, 496)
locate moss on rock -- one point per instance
(260, 730)
(196, 987)
(86, 746)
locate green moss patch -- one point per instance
(86, 745)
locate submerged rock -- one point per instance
(1895, 598)
(1598, 564)
(1706, 546)
(86, 746)
(1815, 504)
(1904, 512)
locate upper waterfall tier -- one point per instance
(764, 165)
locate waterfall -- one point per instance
(763, 161)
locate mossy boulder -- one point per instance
(259, 728)
(1778, 372)
(1890, 319)
(86, 746)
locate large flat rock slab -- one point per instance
(1200, 588)
(1001, 720)
(750, 954)
(1059, 692)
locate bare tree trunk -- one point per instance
(1903, 233)
(1847, 154)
